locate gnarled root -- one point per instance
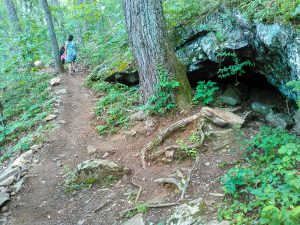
(165, 133)
(182, 184)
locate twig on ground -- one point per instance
(139, 186)
(103, 205)
(164, 134)
(163, 205)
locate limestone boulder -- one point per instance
(98, 169)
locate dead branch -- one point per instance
(164, 134)
(163, 205)
(190, 172)
(103, 205)
(139, 186)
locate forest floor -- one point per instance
(43, 200)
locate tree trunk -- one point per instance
(12, 13)
(151, 47)
(52, 36)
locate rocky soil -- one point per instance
(74, 145)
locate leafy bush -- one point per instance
(163, 100)
(295, 84)
(115, 107)
(237, 69)
(204, 92)
(267, 187)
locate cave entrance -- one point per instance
(251, 86)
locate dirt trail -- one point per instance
(43, 201)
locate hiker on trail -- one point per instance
(70, 51)
(62, 53)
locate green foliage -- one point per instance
(163, 100)
(266, 10)
(267, 187)
(26, 102)
(139, 208)
(115, 107)
(190, 152)
(295, 84)
(204, 92)
(237, 69)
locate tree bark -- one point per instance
(12, 13)
(151, 47)
(52, 36)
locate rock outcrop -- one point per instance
(98, 169)
(274, 48)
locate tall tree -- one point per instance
(12, 13)
(151, 47)
(52, 36)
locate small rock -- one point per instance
(169, 155)
(62, 122)
(26, 157)
(136, 220)
(38, 63)
(279, 120)
(139, 116)
(261, 108)
(232, 95)
(4, 209)
(188, 213)
(50, 117)
(55, 81)
(4, 196)
(19, 185)
(98, 168)
(81, 222)
(61, 91)
(207, 164)
(297, 120)
(150, 123)
(35, 148)
(91, 150)
(9, 172)
(9, 181)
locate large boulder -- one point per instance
(297, 121)
(232, 95)
(222, 118)
(274, 48)
(280, 120)
(261, 108)
(98, 169)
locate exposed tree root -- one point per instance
(163, 205)
(183, 184)
(164, 134)
(139, 186)
(190, 172)
(103, 205)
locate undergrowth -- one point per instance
(71, 184)
(115, 106)
(204, 92)
(266, 188)
(26, 101)
(163, 100)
